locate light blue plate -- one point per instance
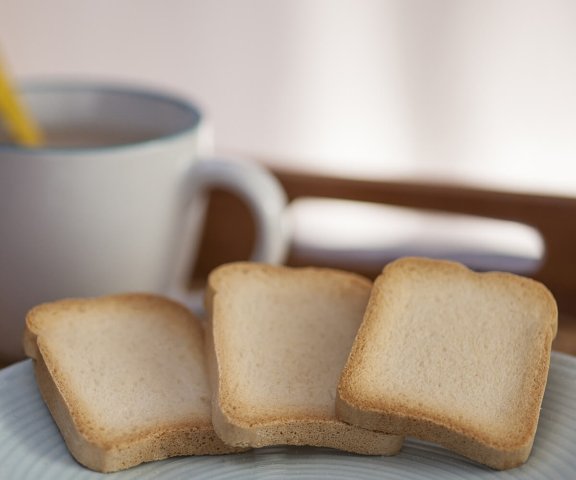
(31, 446)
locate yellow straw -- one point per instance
(20, 125)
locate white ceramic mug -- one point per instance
(114, 201)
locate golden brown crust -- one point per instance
(163, 442)
(311, 432)
(217, 286)
(241, 424)
(409, 417)
(88, 442)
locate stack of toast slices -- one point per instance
(301, 356)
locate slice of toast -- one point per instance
(278, 340)
(454, 357)
(124, 377)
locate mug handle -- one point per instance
(263, 194)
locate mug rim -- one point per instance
(106, 87)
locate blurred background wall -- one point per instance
(468, 89)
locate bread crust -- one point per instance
(404, 414)
(249, 426)
(88, 442)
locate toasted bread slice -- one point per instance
(278, 341)
(124, 378)
(454, 357)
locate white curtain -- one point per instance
(472, 89)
